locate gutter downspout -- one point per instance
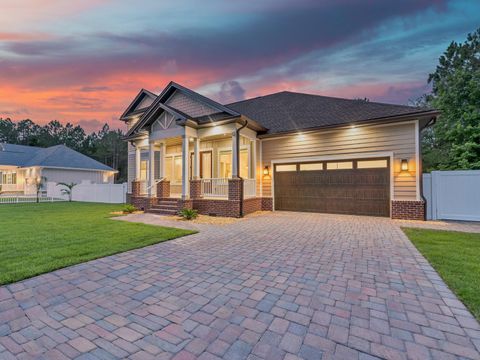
(429, 123)
(237, 149)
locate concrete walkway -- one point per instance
(277, 286)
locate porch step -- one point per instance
(164, 207)
(162, 211)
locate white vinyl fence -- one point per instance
(90, 192)
(20, 199)
(452, 195)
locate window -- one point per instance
(143, 170)
(283, 168)
(341, 165)
(173, 168)
(225, 159)
(8, 178)
(311, 167)
(371, 164)
(177, 169)
(206, 164)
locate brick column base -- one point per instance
(408, 210)
(195, 189)
(163, 189)
(135, 188)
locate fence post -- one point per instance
(434, 195)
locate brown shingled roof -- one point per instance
(289, 111)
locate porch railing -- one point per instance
(214, 188)
(249, 188)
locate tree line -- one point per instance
(106, 146)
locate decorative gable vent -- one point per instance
(165, 121)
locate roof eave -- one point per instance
(374, 121)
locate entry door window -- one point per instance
(226, 164)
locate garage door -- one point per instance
(359, 187)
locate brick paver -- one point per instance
(277, 286)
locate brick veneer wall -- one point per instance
(408, 210)
(163, 189)
(267, 204)
(215, 207)
(140, 202)
(251, 205)
(143, 202)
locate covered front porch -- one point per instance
(198, 168)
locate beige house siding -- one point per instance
(396, 138)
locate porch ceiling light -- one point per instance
(404, 165)
(266, 172)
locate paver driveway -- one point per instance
(279, 286)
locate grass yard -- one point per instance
(456, 257)
(38, 238)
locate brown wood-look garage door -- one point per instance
(359, 187)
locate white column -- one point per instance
(162, 160)
(185, 177)
(254, 151)
(151, 169)
(196, 159)
(137, 162)
(235, 153)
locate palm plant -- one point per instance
(68, 189)
(39, 184)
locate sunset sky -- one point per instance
(83, 61)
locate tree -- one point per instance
(68, 189)
(454, 142)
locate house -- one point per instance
(21, 167)
(283, 151)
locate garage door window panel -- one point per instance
(340, 165)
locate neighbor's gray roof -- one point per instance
(289, 111)
(54, 156)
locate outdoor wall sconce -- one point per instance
(404, 165)
(266, 172)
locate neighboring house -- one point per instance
(284, 151)
(21, 165)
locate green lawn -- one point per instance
(456, 257)
(38, 238)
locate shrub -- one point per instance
(188, 214)
(129, 208)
